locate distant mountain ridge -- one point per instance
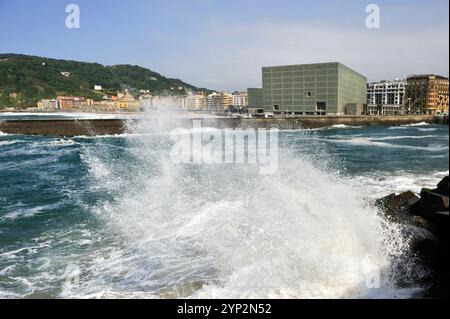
(26, 79)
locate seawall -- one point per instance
(71, 127)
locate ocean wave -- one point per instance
(365, 141)
(161, 230)
(402, 137)
(64, 142)
(331, 127)
(61, 142)
(344, 126)
(427, 129)
(379, 184)
(186, 131)
(4, 143)
(91, 137)
(416, 124)
(21, 211)
(323, 128)
(413, 125)
(188, 225)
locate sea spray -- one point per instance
(136, 225)
(221, 231)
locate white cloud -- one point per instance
(231, 57)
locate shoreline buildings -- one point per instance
(335, 89)
(292, 90)
(309, 89)
(427, 94)
(194, 102)
(240, 99)
(386, 97)
(121, 102)
(418, 94)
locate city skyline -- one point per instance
(222, 46)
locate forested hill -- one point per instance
(26, 79)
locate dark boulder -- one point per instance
(429, 204)
(404, 200)
(397, 206)
(439, 289)
(436, 202)
(383, 203)
(442, 187)
(434, 226)
(425, 222)
(440, 218)
(429, 250)
(421, 222)
(433, 208)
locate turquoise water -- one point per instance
(113, 217)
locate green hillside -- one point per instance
(26, 79)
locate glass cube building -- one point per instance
(312, 89)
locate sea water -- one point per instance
(114, 217)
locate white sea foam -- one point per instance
(416, 124)
(427, 129)
(344, 126)
(225, 231)
(379, 185)
(216, 231)
(325, 128)
(21, 211)
(4, 143)
(365, 141)
(413, 125)
(402, 137)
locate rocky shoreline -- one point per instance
(425, 220)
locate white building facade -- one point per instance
(386, 97)
(240, 99)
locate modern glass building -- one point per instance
(255, 98)
(312, 89)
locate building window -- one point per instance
(276, 107)
(321, 106)
(308, 94)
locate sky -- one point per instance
(222, 44)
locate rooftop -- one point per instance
(426, 76)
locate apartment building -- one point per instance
(240, 99)
(386, 97)
(427, 94)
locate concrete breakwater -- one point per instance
(92, 127)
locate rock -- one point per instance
(418, 234)
(439, 289)
(397, 206)
(382, 203)
(434, 209)
(423, 223)
(431, 252)
(442, 187)
(405, 199)
(440, 218)
(435, 225)
(429, 202)
(426, 224)
(436, 201)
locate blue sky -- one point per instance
(223, 44)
